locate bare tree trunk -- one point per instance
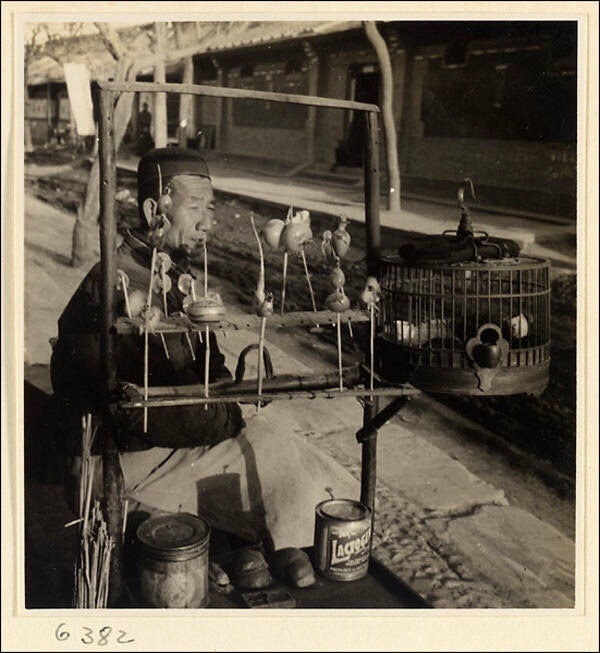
(27, 126)
(160, 99)
(85, 230)
(385, 65)
(185, 101)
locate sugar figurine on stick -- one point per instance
(371, 296)
(162, 285)
(158, 224)
(292, 235)
(202, 310)
(335, 245)
(263, 305)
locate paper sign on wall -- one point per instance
(77, 77)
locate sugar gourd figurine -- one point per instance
(340, 239)
(295, 236)
(338, 302)
(371, 295)
(272, 231)
(263, 305)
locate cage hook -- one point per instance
(465, 226)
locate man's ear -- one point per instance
(149, 208)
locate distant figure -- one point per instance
(348, 153)
(145, 140)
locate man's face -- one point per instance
(191, 214)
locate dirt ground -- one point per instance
(544, 426)
(233, 268)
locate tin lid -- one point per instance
(343, 509)
(179, 536)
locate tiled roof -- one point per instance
(223, 37)
(209, 37)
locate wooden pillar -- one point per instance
(48, 112)
(368, 472)
(112, 475)
(186, 102)
(219, 106)
(373, 420)
(160, 99)
(406, 120)
(371, 171)
(311, 117)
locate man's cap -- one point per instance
(172, 161)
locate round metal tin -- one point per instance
(173, 537)
(342, 539)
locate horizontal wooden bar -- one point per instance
(243, 322)
(253, 398)
(351, 375)
(240, 93)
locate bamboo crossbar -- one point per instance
(243, 322)
(284, 382)
(226, 92)
(250, 398)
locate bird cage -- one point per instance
(479, 326)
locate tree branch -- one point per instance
(111, 40)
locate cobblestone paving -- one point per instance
(411, 550)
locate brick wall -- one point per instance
(285, 145)
(506, 164)
(263, 140)
(335, 64)
(534, 175)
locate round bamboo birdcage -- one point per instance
(477, 327)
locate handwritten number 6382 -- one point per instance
(89, 635)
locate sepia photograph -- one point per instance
(301, 310)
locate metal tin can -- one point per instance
(342, 539)
(173, 561)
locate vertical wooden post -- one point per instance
(185, 103)
(48, 112)
(112, 476)
(311, 116)
(371, 172)
(218, 106)
(184, 127)
(368, 472)
(160, 99)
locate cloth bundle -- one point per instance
(452, 249)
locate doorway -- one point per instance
(364, 86)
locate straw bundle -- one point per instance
(92, 570)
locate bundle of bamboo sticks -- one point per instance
(92, 570)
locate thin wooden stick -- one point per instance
(146, 327)
(163, 274)
(285, 265)
(164, 344)
(372, 345)
(126, 294)
(125, 507)
(310, 288)
(205, 267)
(89, 490)
(261, 349)
(206, 365)
(339, 345)
(189, 342)
(145, 377)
